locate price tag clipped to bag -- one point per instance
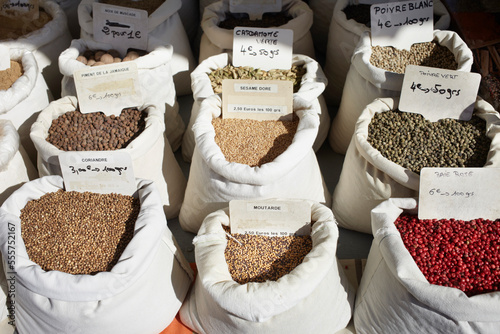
(108, 88)
(257, 99)
(102, 172)
(4, 58)
(264, 48)
(255, 8)
(401, 24)
(29, 9)
(121, 27)
(272, 218)
(437, 93)
(459, 193)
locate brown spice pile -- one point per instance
(263, 258)
(150, 6)
(252, 142)
(13, 28)
(269, 20)
(78, 233)
(10, 75)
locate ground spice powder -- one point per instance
(10, 75)
(13, 28)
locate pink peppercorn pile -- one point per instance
(455, 253)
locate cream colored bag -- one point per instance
(215, 40)
(152, 157)
(142, 293)
(313, 298)
(343, 37)
(155, 80)
(213, 181)
(323, 12)
(394, 297)
(164, 24)
(310, 92)
(367, 178)
(365, 83)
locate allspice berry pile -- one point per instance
(78, 233)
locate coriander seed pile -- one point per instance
(78, 233)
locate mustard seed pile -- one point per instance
(233, 20)
(78, 233)
(262, 258)
(10, 75)
(413, 142)
(74, 131)
(429, 54)
(251, 142)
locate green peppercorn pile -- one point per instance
(413, 142)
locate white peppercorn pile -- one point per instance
(261, 258)
(74, 131)
(294, 74)
(78, 233)
(429, 54)
(413, 142)
(252, 142)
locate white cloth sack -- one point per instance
(343, 37)
(215, 40)
(22, 102)
(213, 181)
(395, 297)
(312, 85)
(165, 25)
(367, 178)
(70, 8)
(313, 298)
(151, 155)
(141, 294)
(365, 83)
(323, 12)
(155, 80)
(46, 44)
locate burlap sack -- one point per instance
(367, 178)
(365, 83)
(312, 85)
(313, 298)
(152, 157)
(141, 294)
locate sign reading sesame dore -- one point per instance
(4, 58)
(102, 172)
(272, 218)
(438, 93)
(401, 24)
(108, 88)
(29, 9)
(121, 27)
(255, 8)
(459, 193)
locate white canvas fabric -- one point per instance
(394, 297)
(70, 8)
(323, 12)
(365, 83)
(313, 298)
(46, 44)
(165, 25)
(22, 102)
(155, 80)
(367, 178)
(343, 37)
(141, 294)
(152, 157)
(213, 181)
(215, 40)
(312, 85)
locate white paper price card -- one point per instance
(26, 8)
(437, 93)
(102, 172)
(121, 27)
(264, 48)
(401, 24)
(257, 99)
(4, 58)
(459, 193)
(254, 8)
(108, 88)
(271, 217)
